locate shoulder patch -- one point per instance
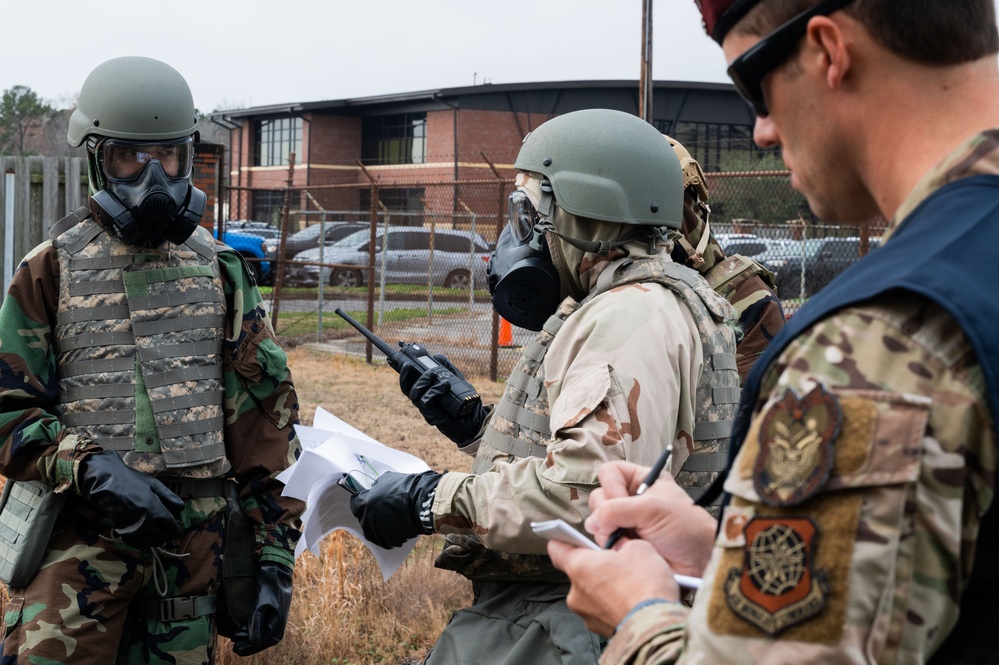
(796, 446)
(777, 588)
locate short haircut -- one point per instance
(930, 32)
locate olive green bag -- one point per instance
(28, 513)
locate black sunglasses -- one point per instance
(748, 70)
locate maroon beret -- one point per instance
(720, 15)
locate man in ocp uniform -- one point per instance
(145, 408)
(862, 526)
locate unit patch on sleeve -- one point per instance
(796, 446)
(776, 588)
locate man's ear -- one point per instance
(829, 42)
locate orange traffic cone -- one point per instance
(505, 333)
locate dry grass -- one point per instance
(342, 612)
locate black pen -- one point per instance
(654, 472)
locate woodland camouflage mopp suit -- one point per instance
(638, 356)
(144, 396)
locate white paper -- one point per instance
(560, 530)
(331, 449)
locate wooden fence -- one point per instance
(36, 192)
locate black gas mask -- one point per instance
(523, 281)
(147, 196)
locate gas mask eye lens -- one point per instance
(125, 160)
(521, 217)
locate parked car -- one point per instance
(749, 244)
(308, 237)
(250, 246)
(455, 260)
(823, 258)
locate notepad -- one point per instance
(561, 531)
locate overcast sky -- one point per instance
(237, 54)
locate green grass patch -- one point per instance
(307, 323)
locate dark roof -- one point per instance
(538, 97)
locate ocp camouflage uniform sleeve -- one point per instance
(887, 538)
(35, 444)
(620, 374)
(261, 409)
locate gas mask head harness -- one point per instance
(146, 196)
(523, 280)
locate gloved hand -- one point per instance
(397, 507)
(270, 613)
(143, 511)
(425, 389)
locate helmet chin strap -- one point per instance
(695, 255)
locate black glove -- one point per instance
(142, 510)
(270, 612)
(397, 507)
(425, 389)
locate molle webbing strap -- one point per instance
(206, 398)
(725, 394)
(706, 462)
(203, 244)
(190, 428)
(724, 361)
(82, 289)
(116, 443)
(524, 417)
(179, 350)
(167, 610)
(718, 429)
(88, 340)
(100, 262)
(163, 300)
(88, 233)
(197, 373)
(123, 364)
(176, 324)
(68, 222)
(91, 418)
(99, 391)
(84, 314)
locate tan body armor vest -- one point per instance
(519, 426)
(138, 342)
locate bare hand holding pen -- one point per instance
(664, 516)
(673, 535)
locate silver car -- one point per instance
(412, 255)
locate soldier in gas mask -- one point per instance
(634, 354)
(145, 400)
(741, 280)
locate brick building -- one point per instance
(404, 141)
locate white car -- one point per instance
(451, 258)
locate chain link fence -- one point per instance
(407, 260)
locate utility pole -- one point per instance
(645, 80)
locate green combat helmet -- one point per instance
(136, 117)
(607, 165)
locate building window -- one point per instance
(276, 139)
(394, 139)
(403, 205)
(267, 206)
(711, 143)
